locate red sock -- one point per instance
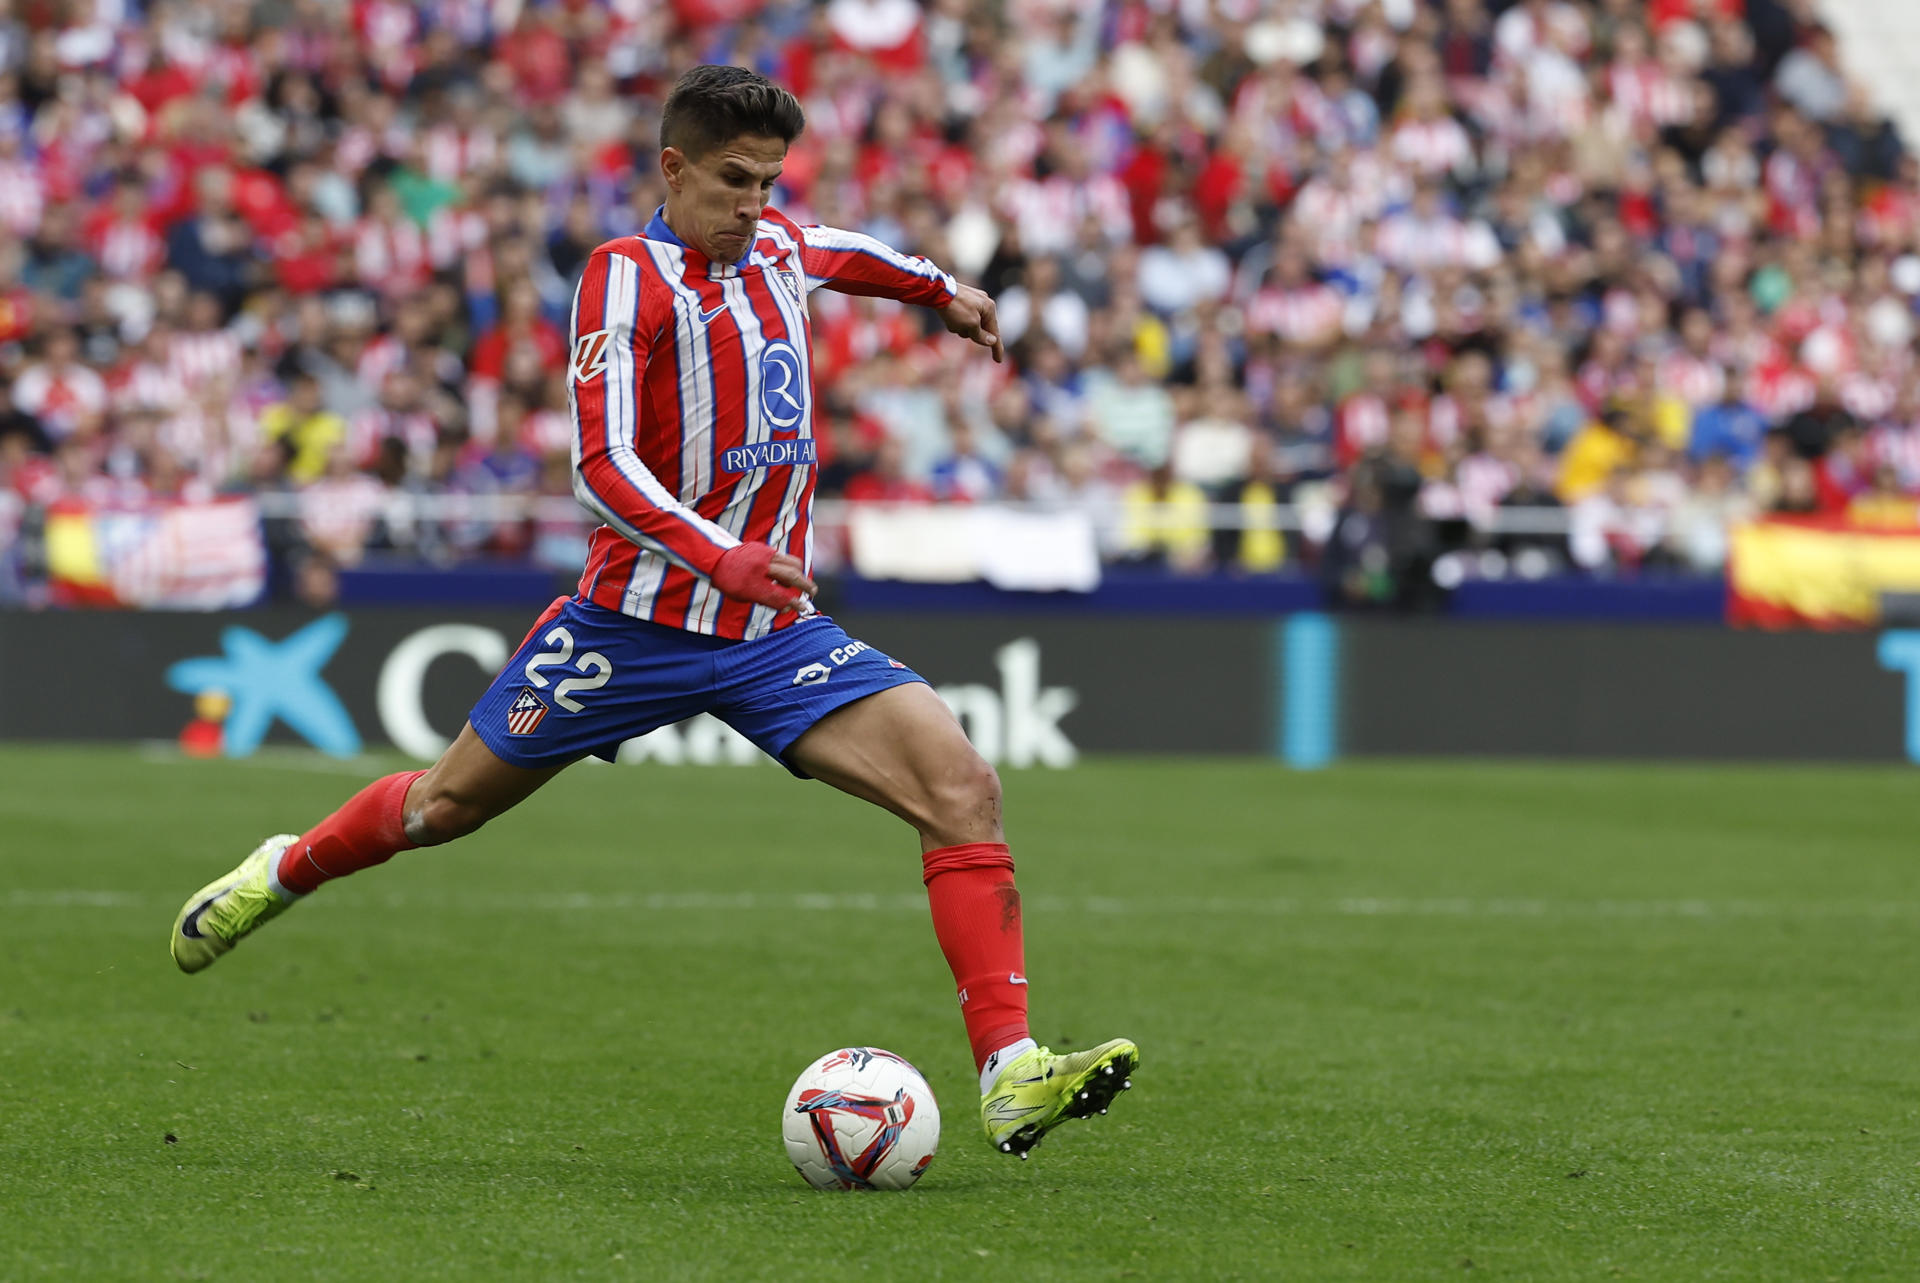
(370, 829)
(976, 915)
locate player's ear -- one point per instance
(673, 167)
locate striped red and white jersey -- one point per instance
(23, 196)
(125, 248)
(1432, 147)
(197, 356)
(692, 394)
(1648, 94)
(1696, 380)
(1896, 444)
(452, 153)
(390, 256)
(148, 385)
(1309, 315)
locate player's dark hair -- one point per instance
(711, 106)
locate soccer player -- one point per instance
(691, 389)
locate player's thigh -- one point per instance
(468, 786)
(902, 749)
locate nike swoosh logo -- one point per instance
(1014, 978)
(706, 318)
(190, 925)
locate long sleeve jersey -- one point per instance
(691, 388)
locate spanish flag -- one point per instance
(1817, 572)
(75, 568)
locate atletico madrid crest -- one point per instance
(527, 712)
(791, 279)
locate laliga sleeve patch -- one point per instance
(590, 356)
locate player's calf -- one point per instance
(443, 815)
(466, 788)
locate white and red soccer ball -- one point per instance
(861, 1118)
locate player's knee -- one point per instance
(965, 806)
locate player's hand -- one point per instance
(971, 316)
(755, 572)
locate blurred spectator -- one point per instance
(1846, 472)
(1598, 454)
(1260, 547)
(1038, 303)
(1130, 414)
(211, 247)
(1184, 272)
(1729, 429)
(1697, 538)
(1884, 503)
(313, 435)
(1810, 77)
(57, 391)
(522, 333)
(885, 481)
(1165, 522)
(1815, 430)
(56, 264)
(963, 475)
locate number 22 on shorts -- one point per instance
(590, 662)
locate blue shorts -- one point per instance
(588, 678)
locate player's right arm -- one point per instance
(619, 312)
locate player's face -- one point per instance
(714, 202)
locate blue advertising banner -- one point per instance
(1031, 688)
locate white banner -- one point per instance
(1017, 549)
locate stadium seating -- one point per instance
(1454, 288)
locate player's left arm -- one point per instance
(855, 263)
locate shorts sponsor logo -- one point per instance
(798, 453)
(841, 654)
(812, 675)
(526, 713)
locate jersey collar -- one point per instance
(657, 230)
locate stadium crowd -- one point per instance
(1400, 265)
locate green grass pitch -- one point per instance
(1398, 1022)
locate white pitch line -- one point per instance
(70, 899)
(1098, 906)
(277, 757)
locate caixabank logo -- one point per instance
(260, 679)
(255, 681)
(1015, 723)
